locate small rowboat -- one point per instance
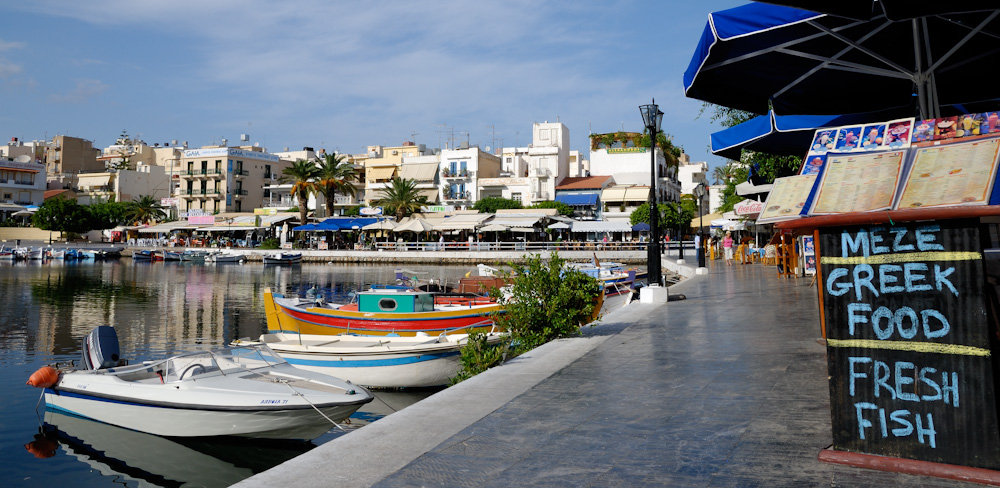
(283, 258)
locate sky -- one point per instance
(345, 75)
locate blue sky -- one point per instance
(344, 75)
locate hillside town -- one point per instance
(227, 182)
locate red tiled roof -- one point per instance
(583, 183)
(59, 193)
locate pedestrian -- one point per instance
(727, 246)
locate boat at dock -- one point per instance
(244, 391)
(381, 312)
(375, 361)
(283, 257)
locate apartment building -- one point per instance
(66, 156)
(123, 185)
(621, 155)
(217, 179)
(22, 182)
(382, 164)
(530, 174)
(461, 170)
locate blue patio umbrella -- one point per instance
(640, 227)
(306, 227)
(782, 134)
(759, 56)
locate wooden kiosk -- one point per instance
(910, 306)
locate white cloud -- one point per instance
(10, 45)
(8, 69)
(83, 91)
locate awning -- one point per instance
(637, 194)
(380, 173)
(431, 194)
(516, 221)
(493, 228)
(613, 195)
(167, 227)
(561, 225)
(578, 199)
(419, 171)
(461, 222)
(601, 226)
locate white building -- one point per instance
(22, 182)
(123, 185)
(461, 171)
(530, 174)
(630, 166)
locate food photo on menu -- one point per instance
(813, 163)
(823, 141)
(945, 128)
(872, 137)
(924, 131)
(898, 134)
(848, 139)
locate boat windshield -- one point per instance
(220, 361)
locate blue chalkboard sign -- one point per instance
(909, 342)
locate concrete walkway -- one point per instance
(725, 388)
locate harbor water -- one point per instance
(158, 309)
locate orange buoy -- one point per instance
(45, 377)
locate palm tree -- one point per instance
(146, 209)
(335, 176)
(402, 198)
(301, 175)
(722, 174)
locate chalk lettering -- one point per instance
(904, 320)
(903, 380)
(886, 280)
(902, 426)
(897, 243)
(926, 237)
(874, 240)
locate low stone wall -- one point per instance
(13, 234)
(437, 257)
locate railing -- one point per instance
(239, 173)
(458, 195)
(201, 172)
(199, 192)
(239, 192)
(528, 246)
(463, 173)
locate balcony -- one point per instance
(343, 200)
(463, 173)
(539, 172)
(239, 193)
(457, 195)
(200, 173)
(199, 193)
(539, 196)
(240, 173)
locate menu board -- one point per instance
(952, 174)
(858, 182)
(908, 342)
(894, 134)
(787, 198)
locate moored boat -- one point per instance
(194, 256)
(225, 257)
(245, 391)
(375, 361)
(143, 255)
(283, 258)
(381, 312)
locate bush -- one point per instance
(271, 243)
(544, 302)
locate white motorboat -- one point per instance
(196, 256)
(246, 391)
(283, 258)
(225, 257)
(375, 361)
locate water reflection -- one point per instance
(158, 309)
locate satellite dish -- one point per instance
(488, 148)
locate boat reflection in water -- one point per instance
(152, 460)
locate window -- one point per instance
(516, 197)
(543, 135)
(387, 304)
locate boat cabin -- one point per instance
(395, 301)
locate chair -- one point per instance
(771, 255)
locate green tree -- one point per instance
(402, 198)
(563, 209)
(335, 176)
(145, 209)
(492, 204)
(768, 166)
(108, 215)
(641, 213)
(547, 301)
(301, 175)
(62, 215)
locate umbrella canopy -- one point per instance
(414, 225)
(381, 225)
(493, 228)
(782, 134)
(307, 227)
(801, 62)
(640, 227)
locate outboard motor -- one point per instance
(100, 348)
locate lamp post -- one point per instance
(680, 236)
(651, 117)
(699, 193)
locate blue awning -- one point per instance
(578, 199)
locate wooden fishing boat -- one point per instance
(381, 312)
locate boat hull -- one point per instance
(375, 361)
(192, 421)
(284, 316)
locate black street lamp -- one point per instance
(680, 235)
(651, 117)
(699, 193)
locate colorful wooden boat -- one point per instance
(381, 312)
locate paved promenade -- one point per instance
(725, 388)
